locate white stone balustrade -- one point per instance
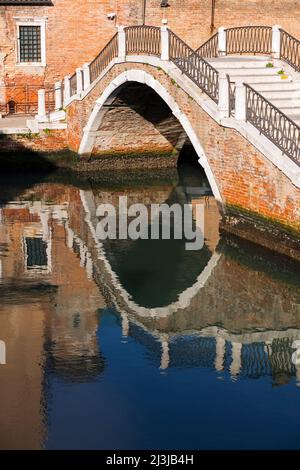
(222, 41)
(67, 89)
(79, 80)
(41, 116)
(240, 101)
(86, 76)
(58, 96)
(223, 104)
(121, 43)
(165, 53)
(276, 41)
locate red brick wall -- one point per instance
(191, 19)
(75, 32)
(49, 141)
(78, 30)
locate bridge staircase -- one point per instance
(250, 74)
(276, 83)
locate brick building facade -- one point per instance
(43, 40)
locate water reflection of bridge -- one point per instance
(247, 353)
(237, 313)
(258, 315)
(252, 355)
(233, 315)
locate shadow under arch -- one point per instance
(107, 98)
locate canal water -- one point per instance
(140, 344)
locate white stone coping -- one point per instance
(15, 131)
(35, 127)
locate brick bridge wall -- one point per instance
(240, 299)
(245, 178)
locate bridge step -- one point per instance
(282, 93)
(285, 102)
(296, 119)
(238, 65)
(290, 111)
(259, 71)
(241, 58)
(240, 62)
(280, 90)
(262, 79)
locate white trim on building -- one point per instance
(40, 22)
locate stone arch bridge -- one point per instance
(238, 111)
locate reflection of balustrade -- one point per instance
(2, 353)
(271, 356)
(165, 356)
(253, 360)
(236, 364)
(257, 354)
(220, 353)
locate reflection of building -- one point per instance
(53, 270)
(26, 251)
(29, 227)
(74, 353)
(45, 40)
(48, 313)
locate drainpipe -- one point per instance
(212, 23)
(144, 12)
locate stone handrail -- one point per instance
(145, 40)
(194, 66)
(253, 40)
(290, 49)
(241, 40)
(273, 123)
(210, 47)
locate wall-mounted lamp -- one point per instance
(111, 16)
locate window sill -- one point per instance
(30, 64)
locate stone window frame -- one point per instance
(39, 269)
(41, 22)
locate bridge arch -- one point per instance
(109, 94)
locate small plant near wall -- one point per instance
(282, 74)
(47, 131)
(269, 65)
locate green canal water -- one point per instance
(140, 344)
